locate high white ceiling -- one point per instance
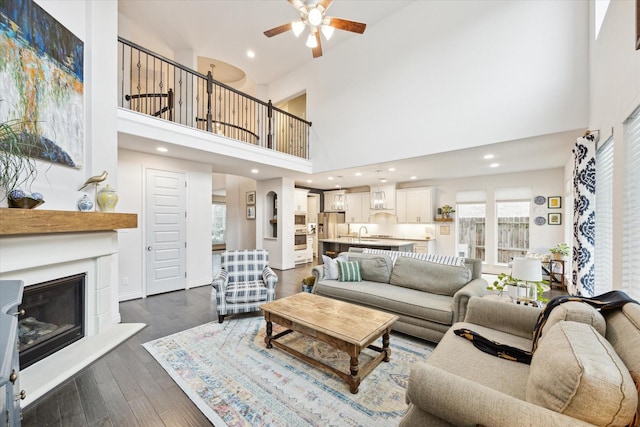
(225, 29)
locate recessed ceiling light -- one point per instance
(251, 54)
(391, 169)
(254, 171)
(494, 165)
(358, 173)
(330, 178)
(488, 156)
(309, 181)
(162, 149)
(383, 179)
(414, 177)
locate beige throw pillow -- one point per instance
(576, 372)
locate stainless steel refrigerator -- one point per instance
(328, 224)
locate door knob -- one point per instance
(149, 248)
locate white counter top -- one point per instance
(368, 241)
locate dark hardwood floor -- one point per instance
(127, 387)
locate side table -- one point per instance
(554, 268)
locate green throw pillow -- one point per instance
(349, 271)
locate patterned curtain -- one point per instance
(584, 215)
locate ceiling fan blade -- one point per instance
(325, 4)
(298, 4)
(278, 30)
(345, 24)
(317, 51)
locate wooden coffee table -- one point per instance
(344, 326)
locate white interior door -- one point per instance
(165, 231)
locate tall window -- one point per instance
(471, 233)
(513, 229)
(604, 219)
(513, 205)
(219, 223)
(631, 207)
(471, 213)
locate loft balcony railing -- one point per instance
(157, 86)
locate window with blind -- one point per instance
(513, 206)
(631, 206)
(471, 213)
(604, 218)
(219, 223)
(471, 230)
(512, 229)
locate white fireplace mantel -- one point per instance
(37, 246)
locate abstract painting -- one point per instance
(41, 82)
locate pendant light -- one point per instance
(340, 199)
(378, 198)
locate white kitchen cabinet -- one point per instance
(424, 246)
(357, 207)
(300, 200)
(310, 246)
(300, 256)
(414, 205)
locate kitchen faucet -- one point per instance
(360, 231)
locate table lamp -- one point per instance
(527, 270)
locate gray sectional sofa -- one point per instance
(427, 297)
(581, 373)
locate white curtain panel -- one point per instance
(584, 215)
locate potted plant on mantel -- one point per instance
(17, 167)
(560, 251)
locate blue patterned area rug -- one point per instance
(235, 380)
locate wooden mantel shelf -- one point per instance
(37, 221)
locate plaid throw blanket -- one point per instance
(607, 301)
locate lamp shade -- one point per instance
(527, 269)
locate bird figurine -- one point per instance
(95, 180)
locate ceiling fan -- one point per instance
(312, 16)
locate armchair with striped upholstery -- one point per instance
(244, 282)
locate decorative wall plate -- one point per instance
(539, 200)
(540, 220)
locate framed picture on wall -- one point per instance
(554, 219)
(554, 202)
(251, 212)
(251, 197)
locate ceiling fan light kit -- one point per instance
(297, 27)
(312, 15)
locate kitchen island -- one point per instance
(342, 244)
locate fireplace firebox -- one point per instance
(53, 317)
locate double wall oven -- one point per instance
(300, 236)
(300, 239)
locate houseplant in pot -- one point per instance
(17, 166)
(307, 284)
(504, 280)
(560, 251)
